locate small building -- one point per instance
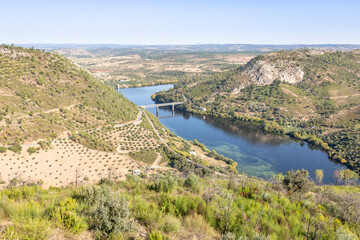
(202, 109)
(193, 153)
(136, 172)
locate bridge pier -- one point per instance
(172, 104)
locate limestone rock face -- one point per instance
(264, 72)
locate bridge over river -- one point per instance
(173, 104)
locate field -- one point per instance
(64, 163)
(135, 67)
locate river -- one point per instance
(257, 153)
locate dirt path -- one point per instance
(345, 96)
(155, 164)
(287, 91)
(162, 141)
(136, 121)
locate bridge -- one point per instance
(173, 104)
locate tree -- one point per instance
(350, 177)
(338, 176)
(297, 182)
(319, 175)
(277, 182)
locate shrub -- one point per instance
(3, 149)
(22, 211)
(18, 193)
(193, 182)
(92, 194)
(28, 231)
(156, 236)
(112, 217)
(171, 224)
(297, 181)
(187, 204)
(16, 147)
(146, 213)
(64, 214)
(163, 183)
(31, 150)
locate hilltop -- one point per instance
(44, 94)
(311, 94)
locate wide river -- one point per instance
(257, 153)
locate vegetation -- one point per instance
(94, 143)
(172, 207)
(44, 94)
(147, 157)
(120, 66)
(322, 109)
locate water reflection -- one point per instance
(257, 153)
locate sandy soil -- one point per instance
(58, 165)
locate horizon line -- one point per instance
(186, 44)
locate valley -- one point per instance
(81, 161)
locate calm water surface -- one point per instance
(256, 153)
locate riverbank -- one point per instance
(134, 84)
(257, 153)
(275, 128)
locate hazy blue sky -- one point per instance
(180, 22)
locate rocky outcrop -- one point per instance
(262, 72)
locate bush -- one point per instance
(146, 213)
(171, 224)
(31, 150)
(3, 149)
(16, 147)
(21, 211)
(163, 183)
(64, 214)
(187, 204)
(92, 194)
(156, 236)
(193, 182)
(18, 193)
(28, 231)
(297, 181)
(111, 217)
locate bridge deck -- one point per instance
(162, 104)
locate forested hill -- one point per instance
(313, 95)
(43, 94)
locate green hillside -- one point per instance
(43, 94)
(313, 95)
(168, 206)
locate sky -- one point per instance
(152, 22)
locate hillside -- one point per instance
(86, 184)
(169, 206)
(44, 94)
(313, 95)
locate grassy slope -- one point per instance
(180, 208)
(44, 94)
(325, 104)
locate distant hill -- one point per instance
(305, 92)
(43, 94)
(199, 47)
